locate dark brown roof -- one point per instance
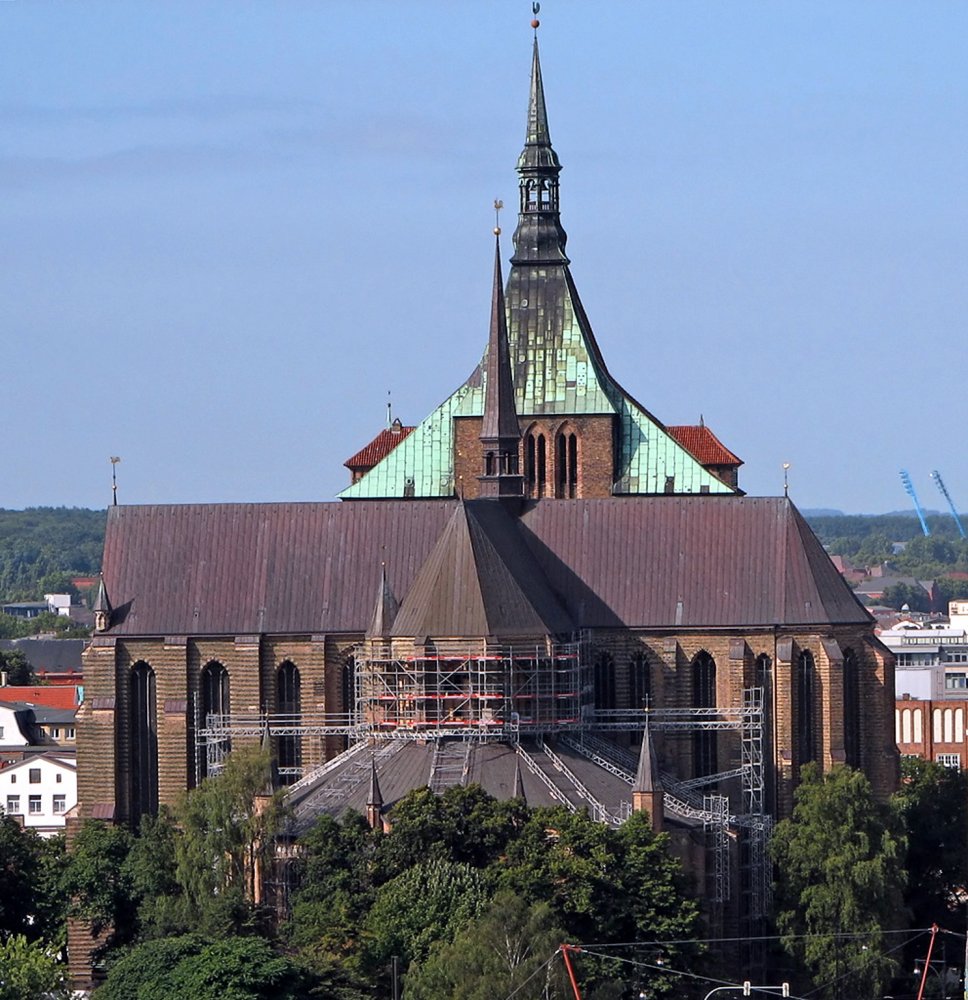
(481, 580)
(379, 447)
(643, 562)
(704, 445)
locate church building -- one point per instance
(540, 588)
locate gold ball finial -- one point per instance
(498, 205)
(535, 23)
(497, 230)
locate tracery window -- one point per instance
(566, 465)
(704, 696)
(144, 741)
(535, 464)
(289, 704)
(806, 707)
(851, 709)
(216, 706)
(604, 680)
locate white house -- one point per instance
(15, 727)
(40, 789)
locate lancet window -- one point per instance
(144, 741)
(704, 696)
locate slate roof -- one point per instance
(404, 765)
(49, 654)
(641, 562)
(701, 441)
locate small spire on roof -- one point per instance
(518, 790)
(386, 608)
(647, 774)
(374, 798)
(102, 608)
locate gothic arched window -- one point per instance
(566, 465)
(640, 681)
(289, 705)
(851, 709)
(704, 696)
(144, 741)
(535, 464)
(604, 680)
(215, 709)
(806, 707)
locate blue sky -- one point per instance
(227, 230)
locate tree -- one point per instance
(28, 972)
(840, 879)
(98, 882)
(913, 595)
(227, 827)
(499, 954)
(19, 871)
(933, 804)
(17, 667)
(427, 903)
(233, 968)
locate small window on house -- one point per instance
(955, 682)
(13, 779)
(34, 776)
(58, 777)
(55, 734)
(1, 732)
(13, 805)
(33, 805)
(951, 760)
(70, 734)
(60, 805)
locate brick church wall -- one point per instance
(596, 453)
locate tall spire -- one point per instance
(539, 236)
(385, 610)
(500, 431)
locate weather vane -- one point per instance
(786, 484)
(498, 205)
(535, 23)
(114, 478)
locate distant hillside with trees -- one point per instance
(41, 548)
(872, 540)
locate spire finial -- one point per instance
(535, 10)
(114, 478)
(498, 205)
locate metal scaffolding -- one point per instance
(477, 691)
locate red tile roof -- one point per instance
(702, 443)
(50, 696)
(379, 447)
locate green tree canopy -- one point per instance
(233, 968)
(29, 972)
(840, 879)
(933, 804)
(503, 952)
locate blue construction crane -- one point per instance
(909, 489)
(939, 482)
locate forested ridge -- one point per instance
(41, 546)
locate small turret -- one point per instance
(647, 791)
(102, 609)
(374, 799)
